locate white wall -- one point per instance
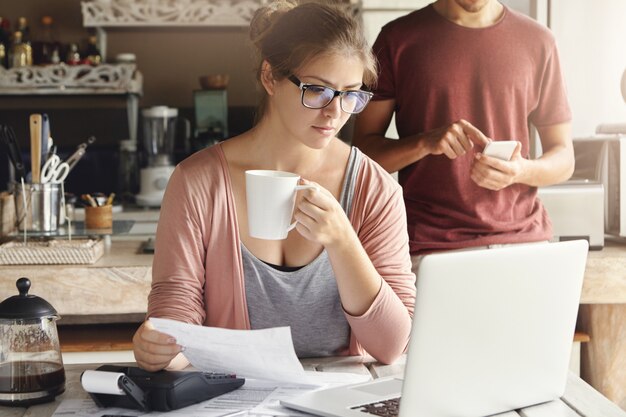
(376, 13)
(591, 36)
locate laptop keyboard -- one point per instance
(385, 408)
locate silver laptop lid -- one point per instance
(492, 329)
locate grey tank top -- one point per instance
(306, 299)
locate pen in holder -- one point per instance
(37, 206)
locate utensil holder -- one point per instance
(100, 217)
(43, 205)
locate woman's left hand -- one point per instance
(320, 217)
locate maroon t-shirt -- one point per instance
(499, 78)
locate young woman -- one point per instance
(342, 279)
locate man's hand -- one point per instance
(454, 140)
(496, 174)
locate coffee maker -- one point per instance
(159, 133)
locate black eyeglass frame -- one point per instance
(304, 86)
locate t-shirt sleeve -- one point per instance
(385, 87)
(553, 106)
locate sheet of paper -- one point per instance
(254, 398)
(259, 354)
(87, 408)
(270, 406)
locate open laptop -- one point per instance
(492, 332)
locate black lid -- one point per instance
(25, 306)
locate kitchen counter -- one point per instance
(116, 287)
(605, 275)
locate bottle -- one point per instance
(92, 53)
(22, 26)
(3, 56)
(5, 41)
(43, 49)
(21, 54)
(73, 56)
(55, 58)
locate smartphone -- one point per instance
(501, 149)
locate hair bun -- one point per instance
(265, 17)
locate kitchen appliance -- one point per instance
(211, 113)
(31, 366)
(602, 158)
(159, 133)
(576, 209)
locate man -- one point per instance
(459, 74)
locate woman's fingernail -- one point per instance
(171, 340)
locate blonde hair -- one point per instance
(288, 36)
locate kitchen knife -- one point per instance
(35, 147)
(14, 151)
(45, 137)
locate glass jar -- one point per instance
(31, 366)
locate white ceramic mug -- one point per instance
(271, 197)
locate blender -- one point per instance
(159, 132)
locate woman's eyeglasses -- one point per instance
(319, 96)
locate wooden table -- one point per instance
(115, 289)
(580, 399)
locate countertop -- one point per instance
(115, 288)
(605, 275)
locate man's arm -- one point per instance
(555, 165)
(393, 155)
(369, 136)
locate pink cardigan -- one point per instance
(197, 274)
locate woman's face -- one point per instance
(316, 127)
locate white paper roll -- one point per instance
(101, 382)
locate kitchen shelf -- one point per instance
(83, 80)
(119, 13)
(160, 13)
(62, 79)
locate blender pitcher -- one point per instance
(159, 133)
(31, 366)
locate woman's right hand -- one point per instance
(153, 350)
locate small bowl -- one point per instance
(214, 81)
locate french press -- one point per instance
(31, 366)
